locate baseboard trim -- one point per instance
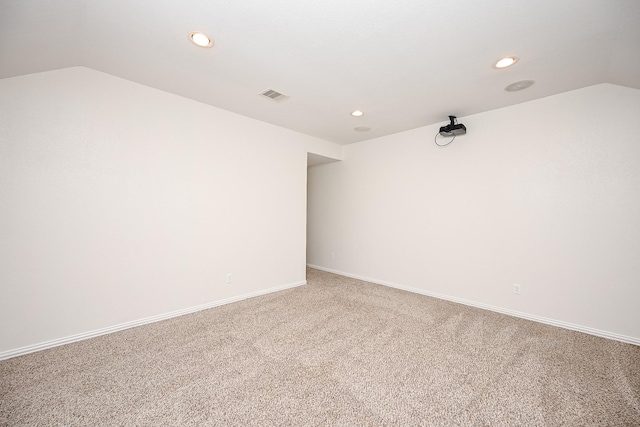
(545, 320)
(152, 319)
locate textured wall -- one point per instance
(545, 194)
(120, 202)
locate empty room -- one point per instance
(305, 213)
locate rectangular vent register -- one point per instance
(274, 95)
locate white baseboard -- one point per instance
(552, 322)
(91, 334)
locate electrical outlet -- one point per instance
(516, 289)
(229, 277)
(333, 256)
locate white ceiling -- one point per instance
(405, 63)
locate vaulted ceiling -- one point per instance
(404, 63)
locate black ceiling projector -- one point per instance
(453, 128)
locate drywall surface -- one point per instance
(544, 194)
(120, 202)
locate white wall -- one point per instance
(120, 202)
(545, 194)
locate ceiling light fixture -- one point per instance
(362, 129)
(506, 62)
(357, 113)
(200, 39)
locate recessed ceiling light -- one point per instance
(506, 62)
(520, 85)
(200, 39)
(357, 113)
(362, 129)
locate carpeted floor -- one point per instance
(337, 352)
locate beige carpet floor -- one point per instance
(337, 352)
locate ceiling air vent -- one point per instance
(274, 95)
